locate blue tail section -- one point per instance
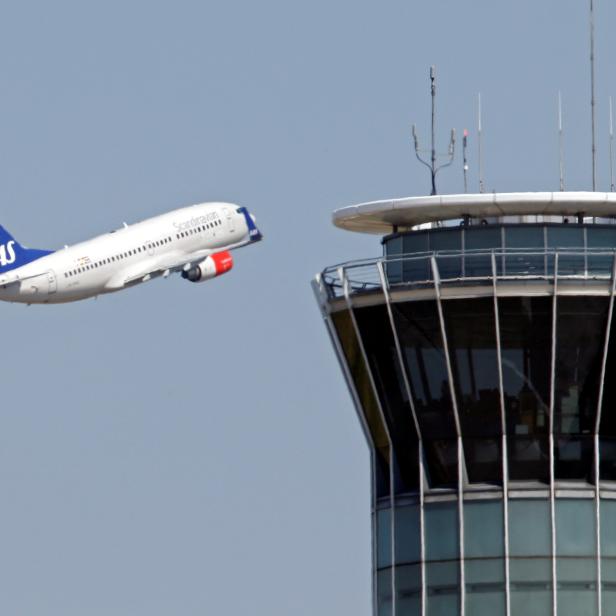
(14, 255)
(253, 231)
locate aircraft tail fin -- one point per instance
(13, 254)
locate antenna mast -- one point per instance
(560, 143)
(433, 97)
(465, 159)
(611, 147)
(479, 143)
(592, 94)
(433, 155)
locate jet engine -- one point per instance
(215, 265)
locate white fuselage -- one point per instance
(167, 243)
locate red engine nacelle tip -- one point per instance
(223, 262)
(214, 265)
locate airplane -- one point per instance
(195, 241)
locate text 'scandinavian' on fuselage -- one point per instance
(194, 241)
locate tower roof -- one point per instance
(380, 216)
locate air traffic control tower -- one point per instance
(480, 353)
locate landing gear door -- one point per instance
(51, 280)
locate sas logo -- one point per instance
(7, 254)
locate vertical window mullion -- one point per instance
(502, 249)
(504, 440)
(349, 303)
(422, 525)
(454, 404)
(585, 252)
(463, 240)
(551, 438)
(597, 442)
(409, 393)
(321, 295)
(545, 251)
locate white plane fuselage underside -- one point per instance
(155, 247)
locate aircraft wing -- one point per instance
(155, 267)
(7, 279)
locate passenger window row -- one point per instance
(200, 229)
(139, 249)
(118, 257)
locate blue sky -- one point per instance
(191, 449)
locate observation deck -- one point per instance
(479, 352)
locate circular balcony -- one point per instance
(468, 268)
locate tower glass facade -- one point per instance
(481, 359)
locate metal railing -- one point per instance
(476, 267)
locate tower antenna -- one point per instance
(560, 143)
(611, 147)
(465, 159)
(592, 95)
(434, 169)
(479, 143)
